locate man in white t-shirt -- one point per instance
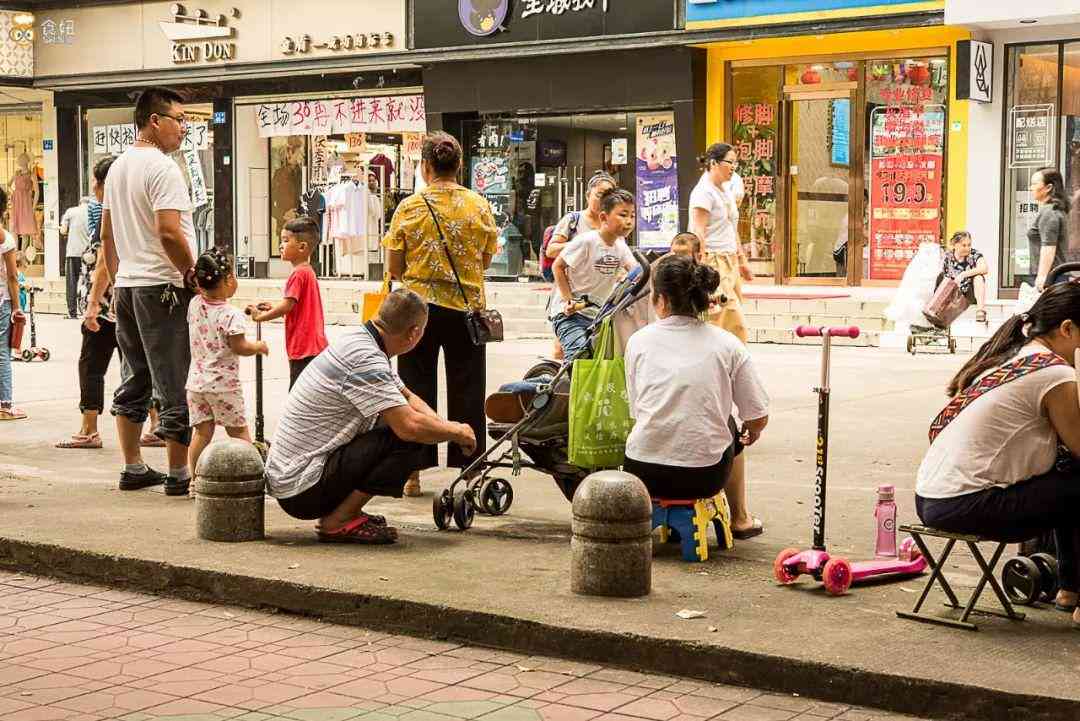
(76, 226)
(148, 238)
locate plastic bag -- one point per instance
(599, 406)
(916, 287)
(1026, 298)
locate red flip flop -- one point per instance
(360, 530)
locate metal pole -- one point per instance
(822, 450)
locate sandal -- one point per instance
(78, 440)
(361, 530)
(149, 440)
(412, 487)
(11, 414)
(756, 529)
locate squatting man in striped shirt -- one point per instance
(351, 430)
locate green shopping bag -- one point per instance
(599, 406)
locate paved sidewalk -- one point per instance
(505, 583)
(85, 653)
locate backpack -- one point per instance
(549, 232)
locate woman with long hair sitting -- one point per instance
(1003, 453)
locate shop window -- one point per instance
(534, 170)
(819, 73)
(906, 102)
(755, 128)
(111, 131)
(22, 176)
(1031, 127)
(1070, 104)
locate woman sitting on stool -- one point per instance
(683, 375)
(968, 268)
(994, 468)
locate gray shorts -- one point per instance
(153, 340)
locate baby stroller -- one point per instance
(532, 430)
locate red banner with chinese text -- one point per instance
(905, 202)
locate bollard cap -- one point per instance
(230, 459)
(612, 496)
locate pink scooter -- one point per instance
(836, 573)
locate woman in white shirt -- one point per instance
(1003, 456)
(683, 377)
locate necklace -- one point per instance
(148, 141)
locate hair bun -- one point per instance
(706, 278)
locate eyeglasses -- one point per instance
(181, 121)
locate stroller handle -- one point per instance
(646, 270)
(805, 331)
(1061, 270)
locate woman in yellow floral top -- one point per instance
(417, 256)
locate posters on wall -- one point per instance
(906, 165)
(115, 139)
(657, 181)
(393, 114)
(199, 195)
(840, 132)
(755, 130)
(1032, 128)
(490, 174)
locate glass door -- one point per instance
(820, 185)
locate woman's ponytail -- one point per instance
(1058, 303)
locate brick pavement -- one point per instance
(84, 653)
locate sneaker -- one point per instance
(135, 481)
(174, 487)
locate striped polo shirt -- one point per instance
(338, 397)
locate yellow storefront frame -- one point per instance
(851, 46)
(818, 15)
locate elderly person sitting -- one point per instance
(351, 430)
(684, 376)
(968, 268)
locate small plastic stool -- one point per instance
(687, 522)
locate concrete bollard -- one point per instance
(611, 549)
(229, 484)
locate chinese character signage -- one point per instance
(657, 181)
(455, 23)
(490, 174)
(393, 114)
(754, 131)
(197, 136)
(1032, 131)
(112, 139)
(907, 145)
(57, 32)
(702, 14)
(199, 195)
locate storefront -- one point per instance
(1032, 120)
(852, 145)
(22, 139)
(534, 131)
(265, 143)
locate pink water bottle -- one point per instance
(885, 516)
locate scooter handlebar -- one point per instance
(807, 331)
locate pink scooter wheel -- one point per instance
(780, 572)
(837, 576)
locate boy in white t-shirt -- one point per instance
(589, 265)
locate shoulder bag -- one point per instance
(484, 326)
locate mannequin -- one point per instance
(24, 196)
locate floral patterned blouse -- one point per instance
(469, 226)
(954, 267)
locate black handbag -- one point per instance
(483, 326)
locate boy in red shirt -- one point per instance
(305, 336)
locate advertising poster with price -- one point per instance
(906, 164)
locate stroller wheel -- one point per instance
(442, 508)
(28, 355)
(1021, 580)
(1048, 574)
(464, 513)
(496, 496)
(44, 354)
(546, 367)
